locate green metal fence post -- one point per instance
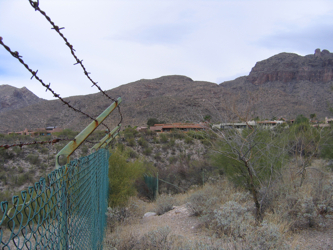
(156, 192)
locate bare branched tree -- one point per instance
(251, 158)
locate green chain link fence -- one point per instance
(66, 211)
(152, 184)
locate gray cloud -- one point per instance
(305, 40)
(125, 40)
(169, 33)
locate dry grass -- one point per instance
(293, 215)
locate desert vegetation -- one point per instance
(250, 189)
(218, 189)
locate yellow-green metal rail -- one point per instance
(79, 139)
(106, 139)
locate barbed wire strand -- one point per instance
(21, 144)
(53, 141)
(47, 86)
(35, 5)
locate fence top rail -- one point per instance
(79, 139)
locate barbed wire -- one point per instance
(35, 5)
(47, 86)
(21, 144)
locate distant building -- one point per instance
(236, 125)
(269, 124)
(178, 126)
(243, 125)
(328, 120)
(141, 129)
(326, 124)
(38, 131)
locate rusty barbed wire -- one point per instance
(21, 144)
(35, 5)
(47, 86)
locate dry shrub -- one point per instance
(200, 202)
(156, 239)
(232, 219)
(306, 205)
(266, 236)
(209, 197)
(164, 204)
(122, 241)
(125, 215)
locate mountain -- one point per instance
(13, 98)
(283, 85)
(288, 67)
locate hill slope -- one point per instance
(284, 85)
(12, 98)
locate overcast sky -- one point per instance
(122, 41)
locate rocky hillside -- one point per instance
(284, 85)
(288, 67)
(12, 98)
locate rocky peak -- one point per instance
(14, 98)
(286, 67)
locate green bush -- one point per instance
(142, 142)
(131, 141)
(66, 133)
(147, 151)
(120, 147)
(156, 140)
(130, 133)
(176, 134)
(3, 177)
(200, 135)
(163, 138)
(5, 196)
(172, 159)
(165, 147)
(18, 151)
(122, 177)
(20, 170)
(22, 179)
(188, 140)
(158, 156)
(84, 150)
(152, 122)
(131, 153)
(172, 142)
(33, 159)
(43, 150)
(5, 154)
(97, 135)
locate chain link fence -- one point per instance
(65, 211)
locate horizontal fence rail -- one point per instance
(66, 211)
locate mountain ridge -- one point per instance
(13, 98)
(283, 85)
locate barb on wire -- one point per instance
(47, 86)
(35, 5)
(21, 144)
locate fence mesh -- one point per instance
(66, 211)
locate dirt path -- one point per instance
(181, 223)
(178, 219)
